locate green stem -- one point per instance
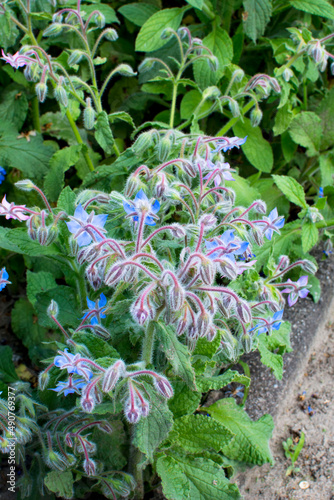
(305, 94)
(117, 151)
(137, 472)
(79, 140)
(173, 106)
(35, 114)
(233, 121)
(148, 343)
(246, 370)
(208, 12)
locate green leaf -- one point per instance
(60, 483)
(190, 102)
(39, 283)
(326, 169)
(66, 200)
(149, 36)
(271, 347)
(306, 130)
(151, 431)
(256, 17)
(206, 479)
(325, 111)
(105, 9)
(60, 162)
(14, 107)
(7, 368)
(257, 150)
(96, 346)
(185, 401)
(137, 13)
(310, 236)
(175, 484)
(283, 119)
(292, 189)
(195, 433)
(251, 441)
(289, 147)
(69, 313)
(206, 348)
(8, 30)
(315, 287)
(245, 194)
(320, 8)
(220, 44)
(206, 384)
(176, 353)
(122, 116)
(110, 448)
(26, 245)
(103, 133)
(31, 157)
(198, 4)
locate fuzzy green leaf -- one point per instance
(177, 353)
(7, 368)
(306, 130)
(175, 484)
(257, 150)
(122, 116)
(60, 162)
(220, 44)
(39, 283)
(206, 384)
(185, 401)
(14, 107)
(96, 346)
(271, 347)
(245, 194)
(251, 441)
(256, 17)
(27, 246)
(60, 483)
(66, 300)
(149, 36)
(320, 8)
(138, 14)
(292, 189)
(66, 200)
(283, 119)
(195, 433)
(326, 112)
(310, 236)
(103, 133)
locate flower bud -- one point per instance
(52, 234)
(234, 107)
(100, 331)
(225, 305)
(89, 115)
(43, 379)
(213, 63)
(209, 221)
(161, 186)
(211, 333)
(177, 230)
(100, 20)
(260, 206)
(55, 460)
(176, 297)
(243, 311)
(275, 85)
(246, 342)
(114, 275)
(144, 408)
(143, 142)
(89, 467)
(287, 74)
(74, 247)
(61, 95)
(257, 235)
(256, 116)
(87, 402)
(192, 334)
(132, 412)
(111, 34)
(189, 169)
(57, 18)
(203, 324)
(163, 386)
(211, 93)
(75, 57)
(181, 326)
(132, 186)
(139, 312)
(308, 266)
(164, 148)
(53, 29)
(146, 65)
(41, 90)
(207, 271)
(42, 235)
(167, 33)
(94, 277)
(69, 440)
(53, 309)
(105, 427)
(112, 375)
(284, 262)
(25, 185)
(125, 70)
(328, 247)
(228, 268)
(238, 75)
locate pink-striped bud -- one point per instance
(69, 440)
(112, 375)
(114, 275)
(203, 324)
(105, 427)
(139, 311)
(228, 268)
(93, 276)
(161, 186)
(176, 297)
(144, 408)
(257, 235)
(207, 271)
(192, 333)
(260, 206)
(189, 169)
(243, 311)
(177, 230)
(284, 261)
(225, 305)
(163, 386)
(132, 412)
(89, 467)
(87, 402)
(181, 326)
(211, 333)
(132, 186)
(208, 220)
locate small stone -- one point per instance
(303, 485)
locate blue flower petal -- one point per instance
(103, 300)
(130, 209)
(155, 207)
(84, 239)
(141, 196)
(149, 221)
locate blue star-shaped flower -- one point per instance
(71, 363)
(80, 220)
(276, 223)
(70, 387)
(96, 310)
(3, 278)
(274, 323)
(3, 174)
(142, 206)
(227, 143)
(227, 245)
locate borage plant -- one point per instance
(174, 301)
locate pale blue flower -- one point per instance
(274, 323)
(275, 221)
(96, 310)
(142, 206)
(71, 363)
(228, 143)
(82, 219)
(3, 278)
(296, 291)
(227, 245)
(70, 386)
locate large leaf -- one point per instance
(39, 283)
(306, 130)
(60, 162)
(206, 384)
(60, 483)
(137, 13)
(244, 193)
(292, 189)
(26, 245)
(257, 150)
(152, 430)
(69, 313)
(8, 29)
(185, 401)
(320, 8)
(251, 441)
(103, 133)
(326, 112)
(31, 157)
(177, 353)
(272, 347)
(221, 46)
(196, 433)
(13, 108)
(149, 36)
(310, 236)
(7, 368)
(205, 479)
(256, 17)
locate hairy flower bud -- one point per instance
(161, 185)
(43, 379)
(226, 304)
(238, 75)
(243, 311)
(213, 63)
(260, 206)
(42, 235)
(246, 342)
(53, 309)
(69, 440)
(114, 274)
(61, 95)
(112, 375)
(287, 74)
(105, 427)
(89, 467)
(176, 297)
(74, 247)
(177, 230)
(209, 221)
(53, 29)
(87, 402)
(144, 141)
(163, 386)
(164, 148)
(100, 331)
(234, 107)
(140, 312)
(256, 116)
(25, 185)
(89, 115)
(41, 89)
(228, 268)
(211, 333)
(100, 20)
(55, 460)
(189, 169)
(203, 324)
(211, 93)
(257, 235)
(111, 34)
(125, 70)
(309, 266)
(207, 271)
(132, 412)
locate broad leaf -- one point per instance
(137, 13)
(122, 116)
(60, 483)
(14, 107)
(149, 36)
(103, 133)
(272, 347)
(320, 8)
(326, 112)
(69, 313)
(175, 483)
(177, 353)
(39, 283)
(310, 236)
(257, 150)
(7, 368)
(245, 194)
(66, 200)
(60, 162)
(206, 384)
(306, 130)
(256, 17)
(251, 441)
(185, 401)
(198, 4)
(283, 119)
(292, 189)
